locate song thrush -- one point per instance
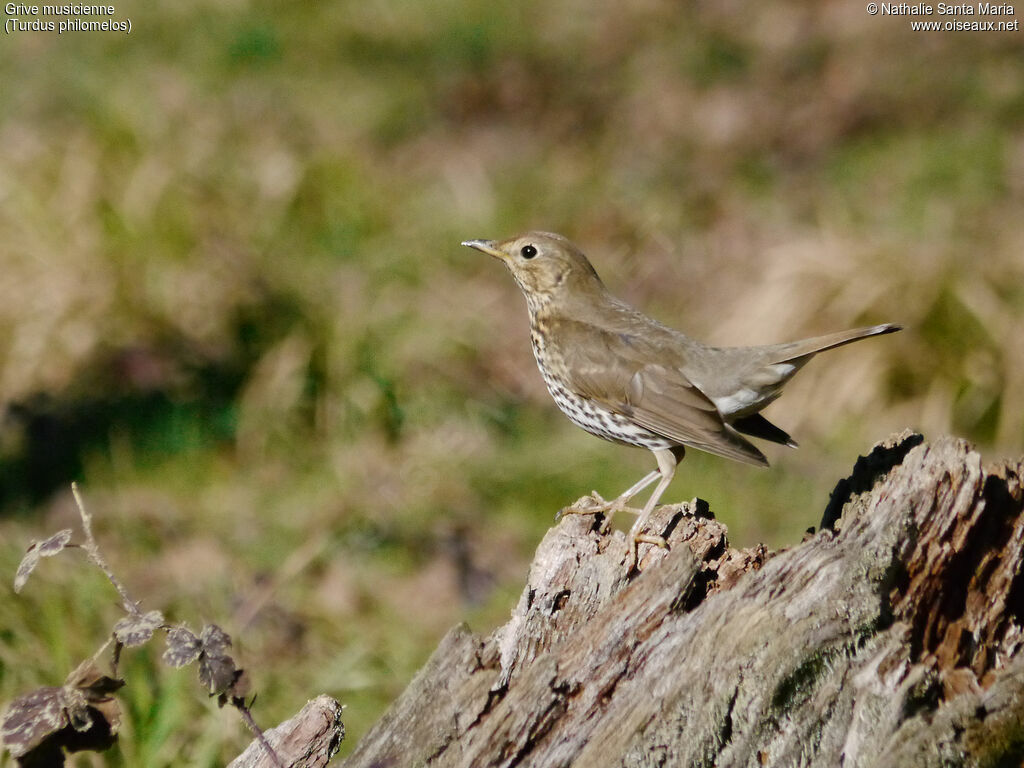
(625, 377)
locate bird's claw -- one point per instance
(595, 504)
(643, 538)
(648, 538)
(592, 504)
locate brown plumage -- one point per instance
(625, 377)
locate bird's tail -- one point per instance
(804, 348)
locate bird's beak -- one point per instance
(485, 246)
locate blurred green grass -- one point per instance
(233, 306)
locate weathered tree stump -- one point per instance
(889, 638)
(307, 740)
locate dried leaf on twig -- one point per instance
(136, 630)
(37, 549)
(183, 647)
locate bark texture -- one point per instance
(891, 637)
(308, 740)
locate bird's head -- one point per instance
(548, 267)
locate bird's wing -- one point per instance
(610, 369)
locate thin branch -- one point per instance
(99, 652)
(93, 550)
(247, 717)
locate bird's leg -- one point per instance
(623, 498)
(668, 460)
(609, 508)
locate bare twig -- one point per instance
(93, 550)
(251, 724)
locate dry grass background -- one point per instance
(233, 304)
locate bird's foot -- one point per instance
(650, 538)
(591, 504)
(596, 504)
(636, 540)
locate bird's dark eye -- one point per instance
(528, 252)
